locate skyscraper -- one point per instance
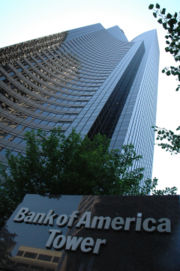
(90, 79)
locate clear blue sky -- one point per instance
(22, 20)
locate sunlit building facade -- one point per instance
(90, 79)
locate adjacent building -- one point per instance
(31, 258)
(90, 79)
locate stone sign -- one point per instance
(93, 233)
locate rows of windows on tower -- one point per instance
(90, 79)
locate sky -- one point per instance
(22, 20)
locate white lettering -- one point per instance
(39, 218)
(73, 216)
(138, 222)
(50, 240)
(62, 220)
(117, 223)
(84, 220)
(165, 225)
(29, 218)
(73, 242)
(50, 218)
(147, 222)
(128, 223)
(87, 244)
(99, 242)
(101, 220)
(59, 241)
(21, 215)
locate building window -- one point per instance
(30, 255)
(56, 259)
(44, 257)
(20, 253)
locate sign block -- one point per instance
(95, 233)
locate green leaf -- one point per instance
(171, 22)
(157, 6)
(155, 14)
(163, 11)
(169, 16)
(151, 6)
(160, 21)
(165, 25)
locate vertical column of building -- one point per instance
(138, 115)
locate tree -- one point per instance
(6, 244)
(171, 23)
(54, 164)
(171, 140)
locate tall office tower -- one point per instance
(90, 79)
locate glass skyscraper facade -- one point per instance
(90, 79)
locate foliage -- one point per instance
(6, 244)
(149, 187)
(171, 140)
(53, 165)
(171, 23)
